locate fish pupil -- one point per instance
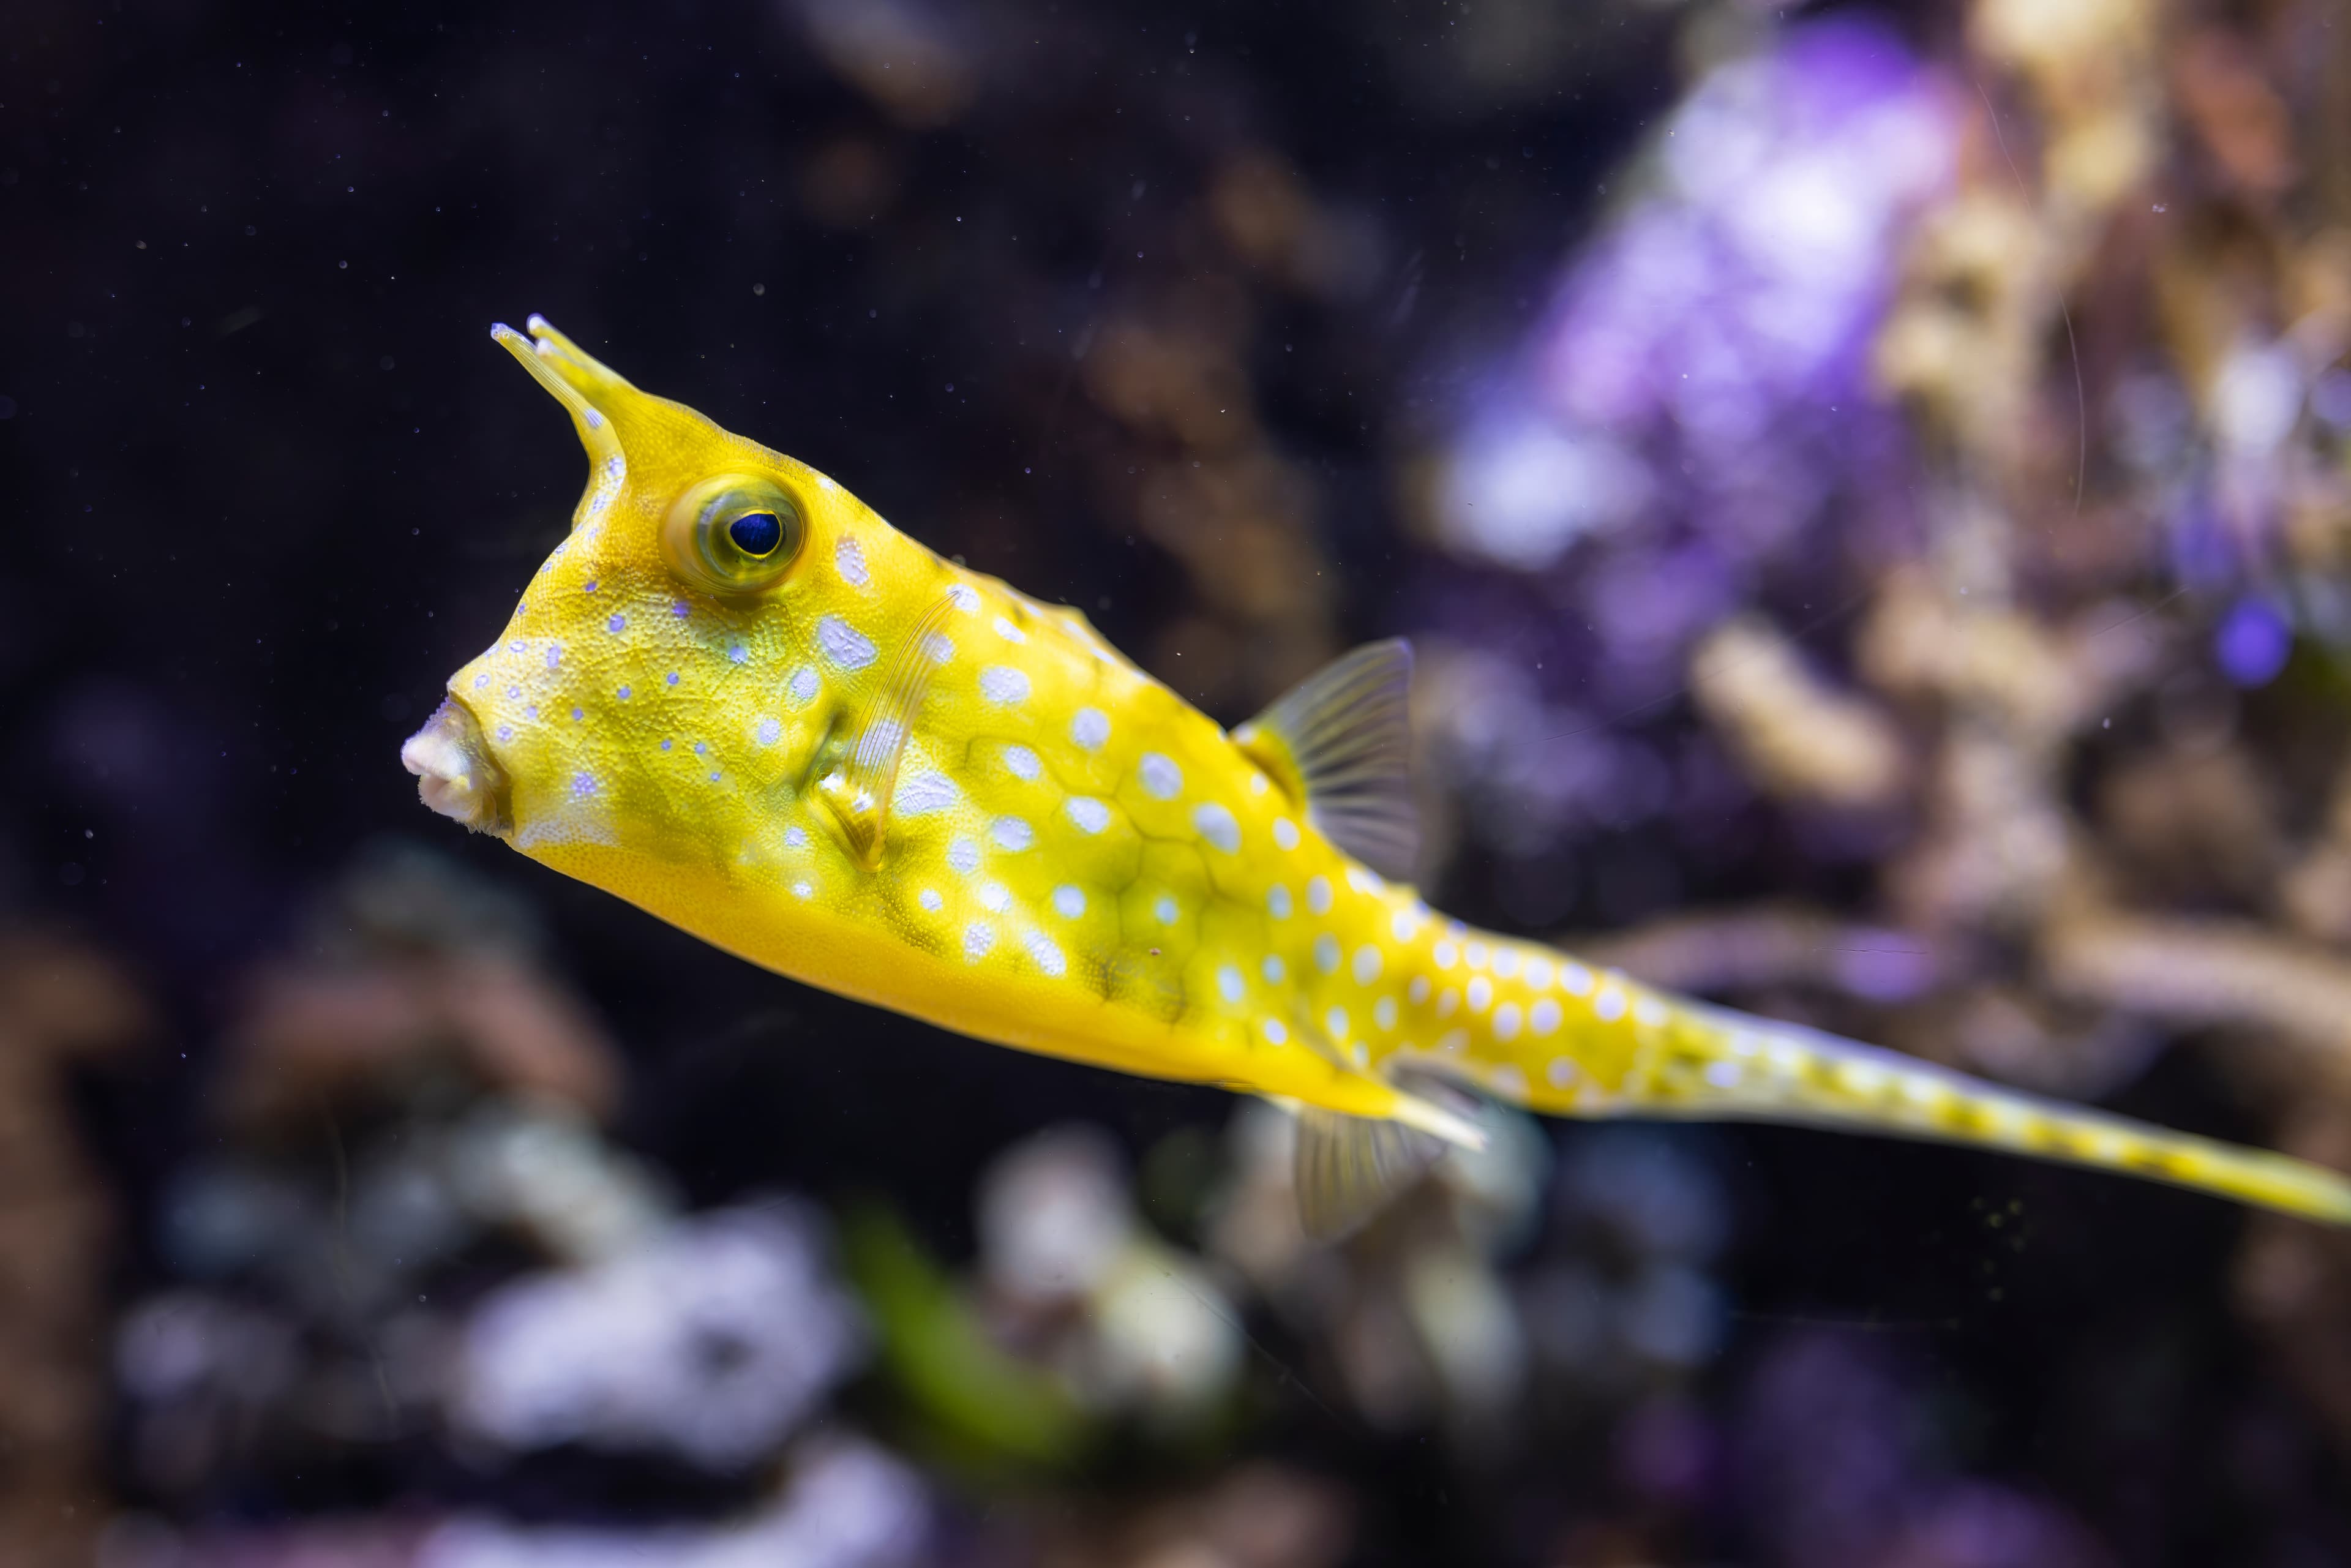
(757, 534)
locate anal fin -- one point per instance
(1348, 1168)
(857, 788)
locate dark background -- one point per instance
(267, 481)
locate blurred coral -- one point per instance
(61, 1004)
(1797, 736)
(1256, 1515)
(1076, 1280)
(424, 969)
(714, 1338)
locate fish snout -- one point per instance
(456, 774)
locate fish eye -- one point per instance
(733, 535)
(757, 534)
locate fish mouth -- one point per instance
(456, 774)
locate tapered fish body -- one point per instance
(880, 773)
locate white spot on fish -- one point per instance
(583, 784)
(1366, 965)
(843, 643)
(1163, 909)
(850, 563)
(1008, 632)
(1506, 1021)
(1861, 1077)
(1508, 1082)
(795, 838)
(1506, 962)
(1453, 1041)
(1480, 994)
(1011, 833)
(1089, 728)
(1069, 902)
(768, 732)
(1417, 992)
(1403, 923)
(1285, 832)
(926, 792)
(803, 890)
(940, 647)
(1474, 954)
(1609, 1006)
(963, 856)
(1229, 984)
(1217, 825)
(1273, 969)
(1088, 813)
(1543, 1017)
(1162, 779)
(1326, 952)
(1274, 1030)
(1650, 1011)
(737, 653)
(994, 899)
(1722, 1075)
(1022, 761)
(1384, 1012)
(1046, 956)
(929, 899)
(805, 683)
(1318, 895)
(1276, 902)
(1335, 1023)
(966, 598)
(616, 624)
(1562, 1072)
(1576, 979)
(1003, 684)
(1539, 973)
(977, 938)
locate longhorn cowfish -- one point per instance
(736, 696)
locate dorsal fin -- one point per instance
(858, 787)
(1341, 740)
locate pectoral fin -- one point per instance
(857, 788)
(1342, 742)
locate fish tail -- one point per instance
(1713, 1063)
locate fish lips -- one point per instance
(456, 775)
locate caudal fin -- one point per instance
(1713, 1063)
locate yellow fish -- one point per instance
(736, 698)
